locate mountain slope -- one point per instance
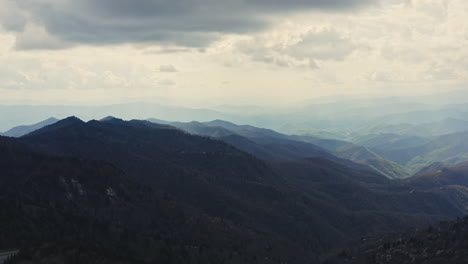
(309, 205)
(388, 141)
(263, 143)
(63, 203)
(207, 174)
(442, 176)
(387, 168)
(23, 130)
(271, 145)
(437, 244)
(339, 148)
(441, 243)
(220, 128)
(449, 149)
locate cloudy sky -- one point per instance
(232, 51)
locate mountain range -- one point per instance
(141, 191)
(271, 145)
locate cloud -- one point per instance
(297, 49)
(167, 68)
(322, 44)
(190, 23)
(34, 37)
(166, 82)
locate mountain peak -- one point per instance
(69, 121)
(220, 121)
(50, 119)
(109, 118)
(26, 129)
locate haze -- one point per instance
(209, 53)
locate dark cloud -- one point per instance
(189, 23)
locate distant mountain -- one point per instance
(277, 150)
(263, 143)
(303, 207)
(430, 129)
(449, 149)
(388, 141)
(388, 168)
(23, 130)
(14, 115)
(339, 148)
(442, 176)
(431, 167)
(445, 126)
(271, 145)
(223, 129)
(198, 128)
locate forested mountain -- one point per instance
(449, 149)
(95, 209)
(271, 145)
(220, 128)
(442, 243)
(141, 191)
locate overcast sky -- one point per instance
(232, 51)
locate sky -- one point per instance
(208, 52)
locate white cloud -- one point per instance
(167, 68)
(419, 44)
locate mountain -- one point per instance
(221, 128)
(271, 145)
(14, 115)
(198, 128)
(23, 130)
(387, 168)
(431, 167)
(201, 192)
(388, 141)
(339, 148)
(436, 244)
(449, 149)
(210, 175)
(61, 205)
(440, 243)
(263, 143)
(456, 175)
(443, 127)
(424, 130)
(280, 150)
